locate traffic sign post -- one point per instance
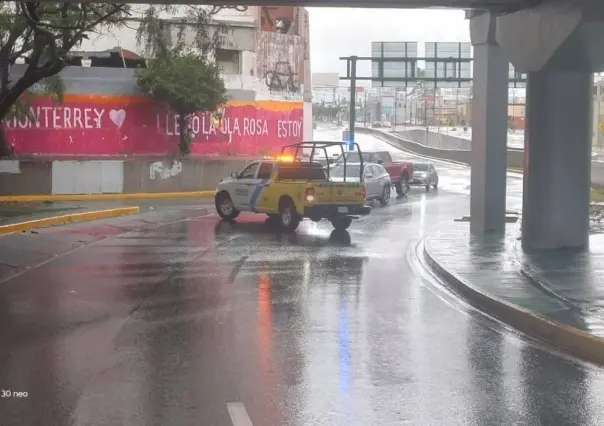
(443, 71)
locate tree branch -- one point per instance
(79, 35)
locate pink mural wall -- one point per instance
(117, 125)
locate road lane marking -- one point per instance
(238, 414)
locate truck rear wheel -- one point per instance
(341, 223)
(288, 216)
(402, 187)
(225, 207)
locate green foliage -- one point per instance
(185, 84)
(174, 30)
(43, 34)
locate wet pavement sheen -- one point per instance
(158, 320)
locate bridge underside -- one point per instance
(498, 6)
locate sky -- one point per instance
(336, 32)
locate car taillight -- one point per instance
(309, 194)
(364, 193)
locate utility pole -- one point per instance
(395, 102)
(352, 63)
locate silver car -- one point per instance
(376, 178)
(424, 174)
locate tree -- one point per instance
(182, 74)
(43, 33)
(186, 84)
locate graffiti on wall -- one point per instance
(163, 171)
(217, 9)
(115, 125)
(281, 48)
(279, 57)
(282, 78)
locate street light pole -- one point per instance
(353, 97)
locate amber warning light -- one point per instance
(285, 158)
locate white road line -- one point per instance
(238, 414)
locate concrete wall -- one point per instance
(307, 122)
(166, 176)
(515, 157)
(26, 177)
(436, 140)
(111, 81)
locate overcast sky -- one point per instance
(336, 32)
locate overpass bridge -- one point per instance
(557, 44)
(497, 6)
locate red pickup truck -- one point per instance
(401, 172)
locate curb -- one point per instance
(569, 339)
(65, 219)
(93, 197)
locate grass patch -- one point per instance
(597, 194)
(516, 169)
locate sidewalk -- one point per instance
(15, 212)
(566, 287)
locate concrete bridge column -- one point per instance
(557, 147)
(557, 45)
(489, 127)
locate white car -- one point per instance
(375, 176)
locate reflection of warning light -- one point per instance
(264, 300)
(265, 323)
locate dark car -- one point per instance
(425, 174)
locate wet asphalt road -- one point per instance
(201, 322)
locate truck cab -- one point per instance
(401, 172)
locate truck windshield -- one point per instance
(352, 171)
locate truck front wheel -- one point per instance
(225, 207)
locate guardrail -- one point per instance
(515, 157)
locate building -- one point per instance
(265, 51)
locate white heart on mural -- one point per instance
(118, 116)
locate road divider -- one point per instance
(68, 218)
(101, 197)
(566, 338)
